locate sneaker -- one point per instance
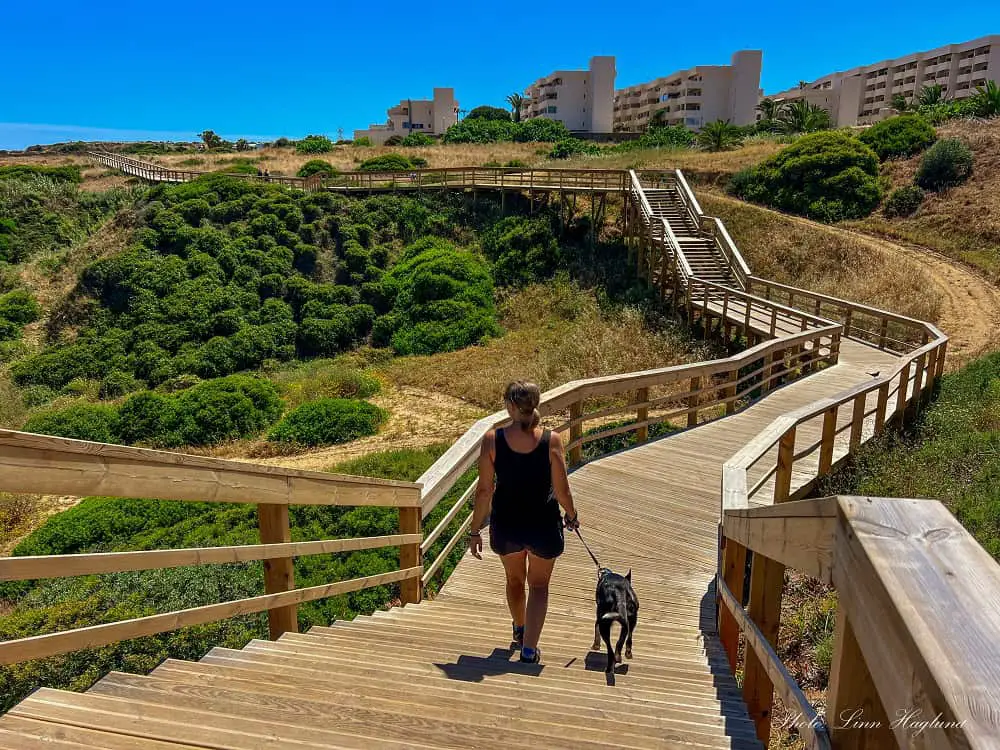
(518, 631)
(531, 655)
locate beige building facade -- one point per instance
(863, 95)
(693, 97)
(430, 116)
(582, 100)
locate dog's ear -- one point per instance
(628, 576)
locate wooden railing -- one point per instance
(156, 173)
(49, 465)
(657, 233)
(918, 620)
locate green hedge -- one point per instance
(96, 422)
(386, 163)
(316, 166)
(67, 173)
(899, 136)
(328, 421)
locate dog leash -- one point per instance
(577, 530)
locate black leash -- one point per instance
(577, 530)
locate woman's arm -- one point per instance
(484, 493)
(560, 478)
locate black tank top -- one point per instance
(523, 489)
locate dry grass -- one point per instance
(96, 178)
(801, 253)
(964, 222)
(554, 333)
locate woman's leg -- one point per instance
(539, 573)
(515, 566)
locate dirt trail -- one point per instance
(970, 305)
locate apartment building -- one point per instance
(863, 95)
(582, 100)
(430, 116)
(693, 97)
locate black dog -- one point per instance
(616, 601)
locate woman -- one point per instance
(526, 530)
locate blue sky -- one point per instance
(129, 70)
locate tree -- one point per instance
(485, 112)
(803, 84)
(515, 101)
(899, 103)
(801, 116)
(658, 120)
(769, 109)
(720, 135)
(931, 95)
(210, 139)
(242, 145)
(987, 100)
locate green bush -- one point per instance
(903, 201)
(673, 136)
(486, 112)
(827, 176)
(393, 140)
(328, 421)
(362, 141)
(316, 166)
(117, 384)
(17, 308)
(416, 138)
(946, 164)
(386, 163)
(80, 421)
(479, 131)
(540, 129)
(899, 136)
(314, 144)
(571, 147)
(443, 302)
(521, 250)
(67, 173)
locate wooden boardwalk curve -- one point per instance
(818, 377)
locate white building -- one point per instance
(864, 95)
(693, 97)
(430, 116)
(582, 100)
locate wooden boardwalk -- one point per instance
(443, 673)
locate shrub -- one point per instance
(17, 308)
(485, 112)
(572, 146)
(480, 131)
(362, 141)
(522, 250)
(67, 173)
(946, 164)
(540, 129)
(316, 166)
(314, 144)
(116, 384)
(827, 176)
(416, 138)
(720, 135)
(393, 140)
(386, 163)
(673, 136)
(328, 421)
(80, 421)
(899, 136)
(903, 201)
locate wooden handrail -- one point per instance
(918, 597)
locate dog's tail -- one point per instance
(621, 616)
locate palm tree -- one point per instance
(658, 119)
(719, 136)
(803, 84)
(931, 95)
(515, 101)
(769, 109)
(899, 103)
(801, 116)
(987, 99)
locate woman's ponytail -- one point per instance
(524, 396)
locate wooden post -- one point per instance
(939, 365)
(925, 393)
(409, 555)
(746, 319)
(883, 401)
(774, 320)
(847, 322)
(730, 392)
(857, 421)
(693, 402)
(828, 440)
(883, 333)
(783, 476)
(279, 573)
(767, 579)
(642, 414)
(918, 381)
(734, 565)
(852, 693)
(904, 387)
(575, 432)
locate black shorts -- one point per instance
(542, 539)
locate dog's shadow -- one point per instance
(597, 661)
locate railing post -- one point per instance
(904, 387)
(730, 392)
(939, 365)
(409, 555)
(783, 476)
(642, 414)
(774, 320)
(767, 579)
(847, 322)
(828, 440)
(852, 693)
(857, 421)
(279, 573)
(734, 565)
(693, 402)
(575, 432)
(883, 333)
(883, 401)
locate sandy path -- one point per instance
(970, 305)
